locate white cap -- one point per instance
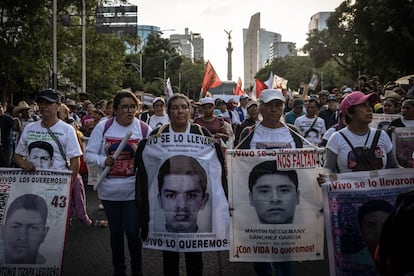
(158, 99)
(268, 95)
(207, 101)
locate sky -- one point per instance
(211, 17)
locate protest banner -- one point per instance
(276, 205)
(403, 140)
(356, 205)
(33, 219)
(381, 121)
(188, 208)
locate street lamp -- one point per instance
(179, 78)
(166, 63)
(137, 67)
(141, 45)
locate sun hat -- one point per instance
(21, 106)
(251, 103)
(158, 99)
(207, 101)
(356, 98)
(268, 95)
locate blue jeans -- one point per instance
(265, 269)
(123, 218)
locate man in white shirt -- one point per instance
(310, 126)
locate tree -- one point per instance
(367, 37)
(299, 69)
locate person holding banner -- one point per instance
(117, 189)
(269, 134)
(369, 150)
(211, 121)
(50, 129)
(182, 183)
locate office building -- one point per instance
(318, 21)
(189, 44)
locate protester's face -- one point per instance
(363, 113)
(253, 112)
(109, 109)
(48, 109)
(159, 108)
(275, 198)
(311, 108)
(371, 225)
(407, 111)
(332, 105)
(298, 109)
(89, 108)
(181, 199)
(179, 112)
(40, 158)
(244, 102)
(389, 107)
(125, 112)
(272, 110)
(208, 110)
(23, 233)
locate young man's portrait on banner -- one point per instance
(273, 193)
(24, 230)
(182, 194)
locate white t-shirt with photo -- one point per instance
(271, 138)
(64, 132)
(345, 157)
(156, 121)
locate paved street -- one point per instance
(88, 253)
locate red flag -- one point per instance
(259, 87)
(211, 79)
(238, 90)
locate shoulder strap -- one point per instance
(62, 152)
(110, 121)
(349, 143)
(312, 125)
(375, 141)
(144, 128)
(357, 156)
(108, 124)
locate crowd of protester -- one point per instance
(317, 119)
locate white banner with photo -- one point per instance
(381, 120)
(276, 205)
(355, 207)
(33, 219)
(403, 140)
(188, 208)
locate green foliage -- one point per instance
(183, 73)
(299, 69)
(367, 37)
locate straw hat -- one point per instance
(21, 106)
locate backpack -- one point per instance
(365, 157)
(110, 121)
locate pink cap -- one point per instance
(356, 98)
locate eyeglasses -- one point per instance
(126, 107)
